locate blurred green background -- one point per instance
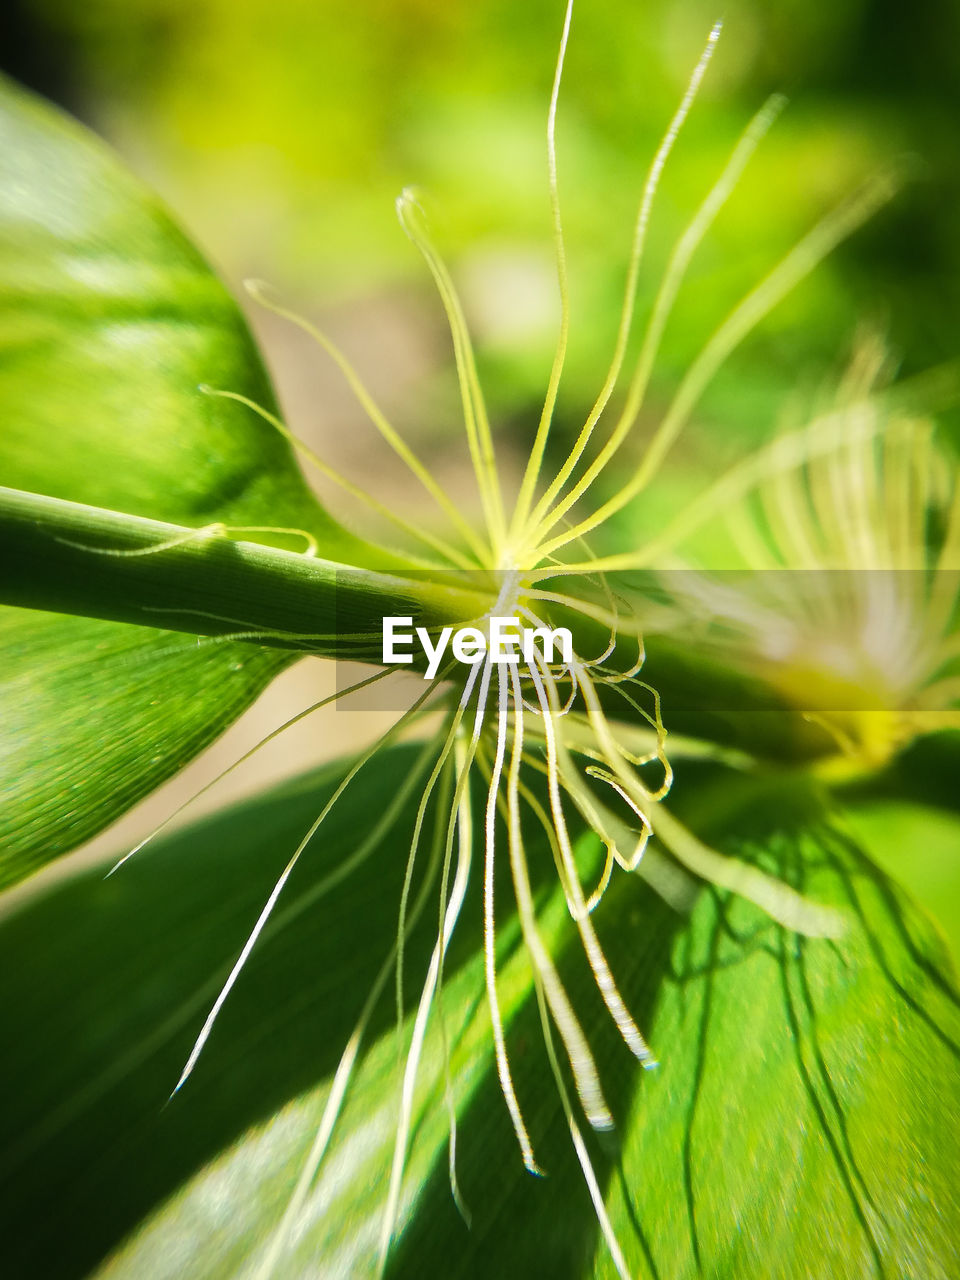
(280, 132)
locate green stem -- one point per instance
(55, 556)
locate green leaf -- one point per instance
(99, 1018)
(109, 320)
(806, 1114)
(95, 715)
(919, 843)
(801, 1123)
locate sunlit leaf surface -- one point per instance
(96, 714)
(109, 320)
(801, 1121)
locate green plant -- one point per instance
(802, 1009)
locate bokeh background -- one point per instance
(280, 132)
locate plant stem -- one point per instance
(61, 556)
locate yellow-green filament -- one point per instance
(797, 264)
(259, 291)
(476, 422)
(633, 273)
(449, 553)
(535, 460)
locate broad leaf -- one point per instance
(920, 844)
(802, 1120)
(109, 320)
(806, 1116)
(99, 1017)
(95, 715)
